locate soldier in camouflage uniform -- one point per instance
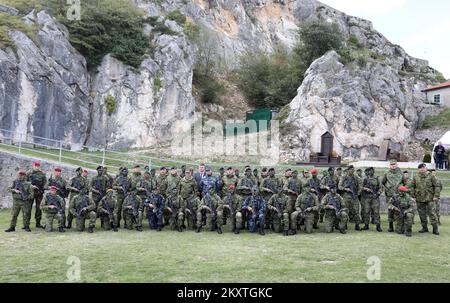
(106, 210)
(188, 193)
(269, 187)
(123, 186)
(98, 186)
(370, 198)
(246, 184)
(281, 208)
(287, 177)
(293, 188)
(314, 186)
(154, 207)
(176, 209)
(255, 206)
(330, 181)
(227, 180)
(109, 178)
(438, 204)
(61, 185)
(136, 176)
(403, 207)
(208, 206)
(172, 191)
(51, 205)
(132, 210)
(230, 208)
(336, 214)
(145, 186)
(391, 181)
(426, 189)
(161, 181)
(76, 185)
(351, 188)
(39, 183)
(207, 182)
(23, 194)
(307, 206)
(82, 207)
(257, 177)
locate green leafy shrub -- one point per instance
(191, 30)
(9, 22)
(440, 78)
(441, 120)
(157, 84)
(427, 158)
(177, 16)
(110, 104)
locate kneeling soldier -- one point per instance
(209, 204)
(23, 194)
(51, 205)
(105, 210)
(336, 214)
(256, 208)
(83, 207)
(281, 210)
(154, 207)
(308, 206)
(132, 211)
(230, 208)
(403, 207)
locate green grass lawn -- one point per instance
(129, 256)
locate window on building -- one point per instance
(437, 99)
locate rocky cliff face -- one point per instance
(46, 89)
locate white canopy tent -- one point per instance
(445, 141)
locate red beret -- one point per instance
(314, 171)
(37, 163)
(22, 173)
(53, 187)
(231, 186)
(403, 188)
(58, 169)
(85, 171)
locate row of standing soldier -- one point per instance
(254, 201)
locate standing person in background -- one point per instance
(391, 181)
(439, 152)
(23, 194)
(438, 202)
(200, 174)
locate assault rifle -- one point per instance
(372, 188)
(333, 202)
(396, 203)
(292, 187)
(109, 210)
(53, 200)
(315, 186)
(34, 182)
(350, 184)
(61, 191)
(84, 204)
(134, 208)
(98, 187)
(18, 185)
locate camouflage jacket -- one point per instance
(307, 200)
(37, 178)
(425, 187)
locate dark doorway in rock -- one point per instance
(327, 144)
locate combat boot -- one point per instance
(285, 233)
(424, 229)
(408, 233)
(159, 228)
(27, 229)
(115, 228)
(61, 229)
(346, 227)
(90, 229)
(261, 231)
(180, 229)
(219, 230)
(315, 226)
(38, 225)
(293, 232)
(69, 225)
(366, 227)
(139, 228)
(435, 230)
(379, 228)
(357, 228)
(199, 229)
(237, 231)
(391, 227)
(11, 229)
(342, 231)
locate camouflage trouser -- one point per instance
(106, 221)
(81, 221)
(70, 217)
(130, 220)
(38, 212)
(371, 206)
(210, 219)
(331, 220)
(119, 205)
(425, 210)
(191, 219)
(234, 219)
(403, 223)
(50, 217)
(353, 207)
(280, 221)
(19, 205)
(438, 210)
(391, 214)
(310, 220)
(255, 221)
(154, 217)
